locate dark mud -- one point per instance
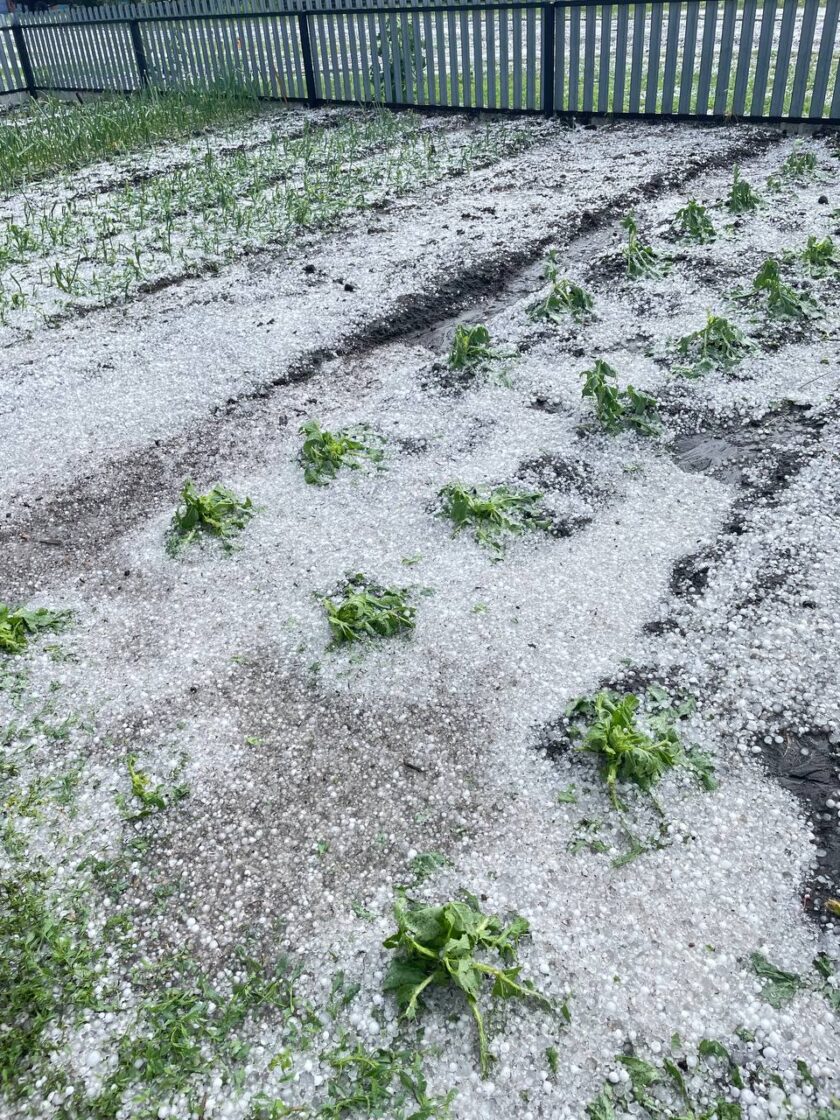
(809, 766)
(571, 489)
(761, 456)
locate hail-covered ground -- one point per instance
(212, 804)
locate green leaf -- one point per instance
(779, 986)
(601, 1108)
(642, 1073)
(728, 1110)
(710, 1048)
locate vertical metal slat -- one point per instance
(762, 63)
(689, 51)
(804, 57)
(654, 53)
(780, 80)
(707, 55)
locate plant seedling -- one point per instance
(717, 345)
(493, 514)
(324, 453)
(821, 257)
(470, 347)
(437, 945)
(796, 168)
(363, 609)
(17, 626)
(692, 221)
(625, 753)
(642, 260)
(151, 798)
(742, 198)
(219, 513)
(565, 297)
(618, 408)
(783, 302)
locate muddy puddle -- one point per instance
(760, 455)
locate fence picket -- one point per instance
(654, 50)
(707, 53)
(588, 104)
(620, 58)
(490, 38)
(440, 43)
(783, 52)
(672, 47)
(559, 59)
(531, 58)
(727, 43)
(804, 57)
(517, 58)
(637, 57)
(604, 56)
(466, 72)
(574, 59)
(689, 51)
(745, 54)
(762, 64)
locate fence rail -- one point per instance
(751, 59)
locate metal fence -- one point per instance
(750, 59)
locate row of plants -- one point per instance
(218, 207)
(52, 136)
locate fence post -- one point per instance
(547, 79)
(139, 51)
(306, 50)
(25, 61)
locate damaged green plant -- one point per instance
(821, 257)
(18, 625)
(565, 297)
(692, 222)
(492, 514)
(218, 513)
(608, 728)
(717, 345)
(616, 408)
(783, 301)
(664, 1091)
(778, 986)
(363, 609)
(150, 798)
(324, 453)
(797, 168)
(742, 198)
(642, 260)
(377, 1083)
(438, 946)
(470, 347)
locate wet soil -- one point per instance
(809, 766)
